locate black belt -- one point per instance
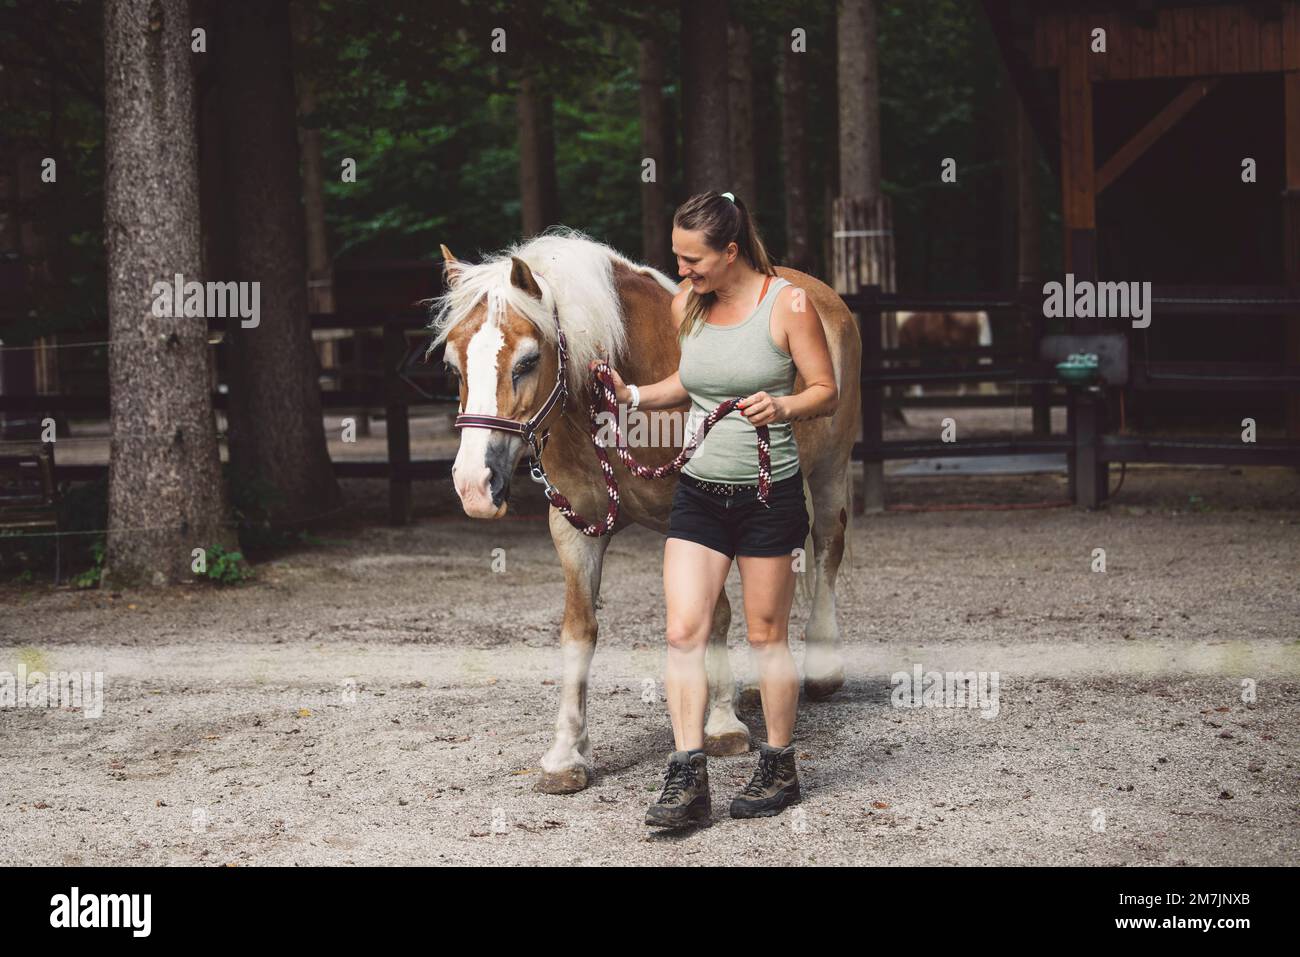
(728, 489)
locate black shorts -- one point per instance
(739, 524)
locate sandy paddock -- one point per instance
(384, 697)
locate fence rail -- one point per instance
(1089, 446)
(1087, 443)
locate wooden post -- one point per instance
(1030, 296)
(1028, 264)
(1091, 479)
(1079, 212)
(1291, 244)
(398, 426)
(863, 246)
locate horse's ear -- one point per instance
(521, 277)
(451, 266)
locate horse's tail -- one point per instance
(847, 562)
(806, 589)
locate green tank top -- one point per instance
(720, 363)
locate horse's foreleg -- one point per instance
(567, 766)
(724, 733)
(823, 665)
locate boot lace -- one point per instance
(763, 776)
(677, 778)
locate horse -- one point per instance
(940, 331)
(500, 322)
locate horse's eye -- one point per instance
(525, 366)
(451, 371)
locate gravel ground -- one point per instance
(383, 698)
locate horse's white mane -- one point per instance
(574, 272)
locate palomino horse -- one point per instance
(499, 320)
(939, 332)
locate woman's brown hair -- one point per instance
(722, 221)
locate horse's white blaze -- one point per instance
(472, 473)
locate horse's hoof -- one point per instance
(726, 744)
(821, 688)
(568, 781)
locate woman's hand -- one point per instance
(621, 391)
(762, 409)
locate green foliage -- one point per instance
(942, 95)
(227, 567)
(42, 42)
(413, 92)
(91, 576)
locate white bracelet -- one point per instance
(636, 397)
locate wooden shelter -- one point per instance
(1174, 129)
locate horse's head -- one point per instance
(504, 367)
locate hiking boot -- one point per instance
(774, 786)
(685, 797)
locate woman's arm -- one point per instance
(812, 357)
(664, 394)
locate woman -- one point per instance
(743, 332)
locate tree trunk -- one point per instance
(165, 492)
(539, 195)
(794, 157)
(706, 127)
(320, 268)
(858, 83)
(277, 434)
(656, 238)
(859, 99)
(740, 99)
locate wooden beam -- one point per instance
(1291, 36)
(1270, 45)
(1078, 195)
(1184, 63)
(1161, 123)
(1230, 39)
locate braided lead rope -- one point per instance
(602, 393)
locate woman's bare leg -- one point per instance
(693, 577)
(768, 583)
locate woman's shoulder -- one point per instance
(788, 300)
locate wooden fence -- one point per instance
(1089, 446)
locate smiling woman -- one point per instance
(739, 333)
